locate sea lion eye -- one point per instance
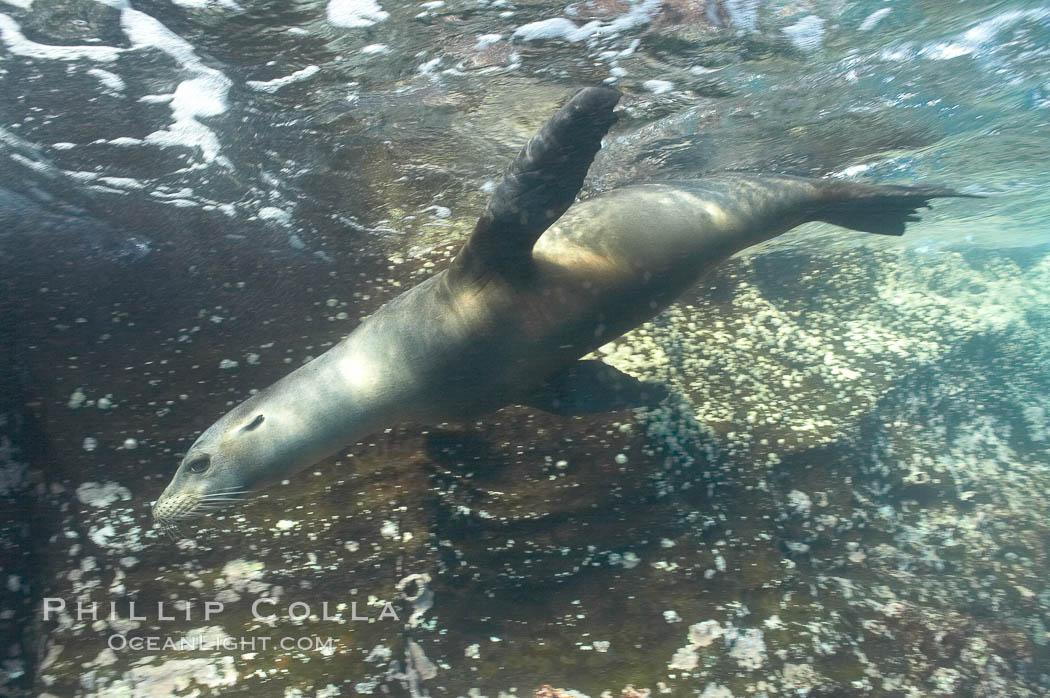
(199, 465)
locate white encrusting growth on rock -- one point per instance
(101, 495)
(799, 502)
(416, 590)
(749, 648)
(171, 677)
(76, 399)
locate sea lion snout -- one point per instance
(185, 492)
(203, 483)
(174, 506)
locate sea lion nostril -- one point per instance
(254, 423)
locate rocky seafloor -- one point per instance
(845, 495)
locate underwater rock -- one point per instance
(782, 500)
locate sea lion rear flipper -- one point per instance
(590, 386)
(538, 187)
(877, 208)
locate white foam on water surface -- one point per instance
(658, 87)
(852, 170)
(375, 49)
(807, 34)
(125, 141)
(355, 13)
(200, 96)
(560, 28)
(19, 45)
(743, 14)
(272, 213)
(429, 66)
(143, 31)
(983, 37)
(486, 40)
(554, 28)
(122, 182)
(873, 19)
(207, 4)
(35, 165)
(982, 34)
(271, 86)
(111, 81)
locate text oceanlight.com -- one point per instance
(200, 643)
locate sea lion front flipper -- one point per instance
(591, 386)
(538, 187)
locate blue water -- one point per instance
(176, 106)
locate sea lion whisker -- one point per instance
(207, 508)
(173, 531)
(228, 490)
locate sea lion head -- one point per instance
(243, 451)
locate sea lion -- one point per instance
(530, 292)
